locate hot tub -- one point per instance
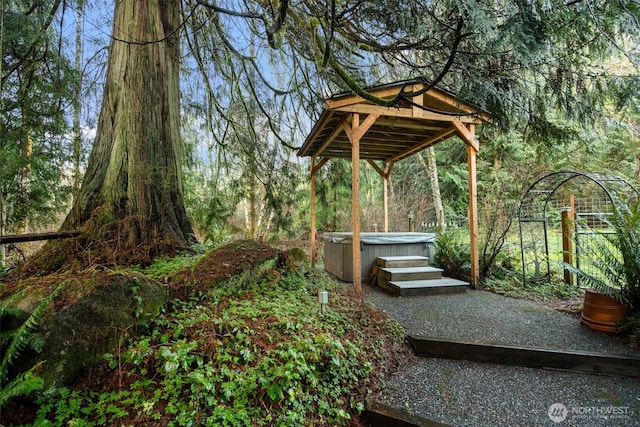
(338, 250)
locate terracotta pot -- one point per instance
(601, 312)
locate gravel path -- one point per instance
(460, 393)
(488, 318)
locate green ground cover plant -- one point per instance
(254, 350)
(542, 291)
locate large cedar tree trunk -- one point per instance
(130, 206)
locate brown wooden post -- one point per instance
(385, 194)
(355, 131)
(355, 201)
(315, 167)
(473, 217)
(467, 134)
(384, 172)
(314, 249)
(568, 218)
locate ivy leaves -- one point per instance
(250, 353)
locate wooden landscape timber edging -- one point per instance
(17, 238)
(569, 360)
(379, 415)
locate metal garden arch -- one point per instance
(541, 198)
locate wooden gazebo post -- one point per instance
(467, 134)
(385, 173)
(473, 218)
(355, 131)
(315, 167)
(355, 201)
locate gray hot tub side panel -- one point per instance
(338, 252)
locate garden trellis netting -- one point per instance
(590, 197)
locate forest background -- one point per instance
(560, 80)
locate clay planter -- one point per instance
(601, 312)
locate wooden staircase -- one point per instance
(403, 276)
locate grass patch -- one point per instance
(542, 291)
(162, 267)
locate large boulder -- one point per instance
(93, 315)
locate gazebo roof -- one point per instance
(420, 118)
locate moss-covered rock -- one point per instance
(92, 316)
(219, 264)
(294, 260)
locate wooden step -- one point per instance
(444, 285)
(402, 261)
(408, 273)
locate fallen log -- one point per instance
(32, 237)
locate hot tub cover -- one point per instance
(371, 238)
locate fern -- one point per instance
(13, 342)
(23, 384)
(617, 257)
(452, 254)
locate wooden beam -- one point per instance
(451, 100)
(444, 134)
(418, 102)
(391, 92)
(375, 166)
(32, 237)
(405, 113)
(347, 100)
(365, 125)
(330, 139)
(466, 135)
(315, 167)
(317, 128)
(473, 217)
(384, 172)
(407, 123)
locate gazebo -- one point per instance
(420, 116)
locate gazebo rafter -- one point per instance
(352, 127)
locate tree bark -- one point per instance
(432, 171)
(77, 137)
(130, 206)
